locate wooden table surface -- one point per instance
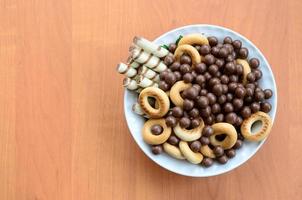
(62, 130)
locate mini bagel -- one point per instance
(175, 91)
(207, 151)
(161, 99)
(261, 134)
(191, 51)
(193, 38)
(246, 69)
(156, 139)
(188, 135)
(191, 156)
(173, 151)
(224, 128)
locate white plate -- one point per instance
(135, 122)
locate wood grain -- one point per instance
(62, 128)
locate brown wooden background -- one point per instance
(62, 129)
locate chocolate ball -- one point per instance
(231, 118)
(228, 107)
(207, 131)
(168, 60)
(254, 63)
(184, 122)
(205, 49)
(224, 79)
(178, 75)
(233, 78)
(170, 78)
(219, 118)
(218, 151)
(188, 104)
(210, 120)
(185, 59)
(258, 74)
(157, 149)
(255, 107)
(230, 153)
(237, 44)
(227, 40)
(177, 112)
(211, 98)
(198, 88)
(249, 92)
(188, 78)
(191, 93)
(243, 53)
(217, 89)
(225, 89)
(251, 77)
(172, 47)
(195, 146)
(246, 112)
(200, 79)
(204, 140)
(213, 69)
(237, 103)
(184, 68)
(213, 41)
(215, 51)
(156, 129)
(219, 62)
(173, 140)
(222, 99)
(248, 100)
(239, 69)
(203, 92)
(207, 76)
(268, 93)
(265, 107)
(163, 86)
(175, 66)
(194, 113)
(213, 81)
(238, 144)
(230, 58)
(259, 96)
(232, 87)
(207, 162)
(223, 52)
(195, 123)
(222, 159)
(205, 112)
(200, 68)
(239, 121)
(240, 92)
(229, 97)
(202, 102)
(230, 68)
(209, 59)
(171, 121)
(229, 48)
(216, 108)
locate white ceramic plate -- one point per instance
(135, 122)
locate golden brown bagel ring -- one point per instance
(188, 135)
(207, 151)
(161, 98)
(173, 151)
(224, 128)
(191, 156)
(156, 139)
(261, 134)
(193, 38)
(246, 69)
(175, 91)
(191, 51)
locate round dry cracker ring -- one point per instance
(188, 135)
(191, 51)
(224, 128)
(191, 156)
(194, 38)
(156, 139)
(162, 100)
(246, 69)
(207, 151)
(262, 133)
(175, 91)
(173, 151)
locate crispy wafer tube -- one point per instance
(150, 47)
(148, 73)
(132, 63)
(126, 70)
(130, 84)
(138, 110)
(145, 82)
(148, 60)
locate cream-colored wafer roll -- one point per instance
(145, 82)
(150, 47)
(138, 110)
(130, 84)
(132, 63)
(150, 61)
(126, 70)
(148, 73)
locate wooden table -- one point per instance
(62, 130)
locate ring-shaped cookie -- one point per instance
(175, 91)
(246, 69)
(207, 151)
(173, 151)
(161, 99)
(150, 138)
(191, 51)
(194, 38)
(188, 135)
(224, 128)
(191, 156)
(262, 133)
